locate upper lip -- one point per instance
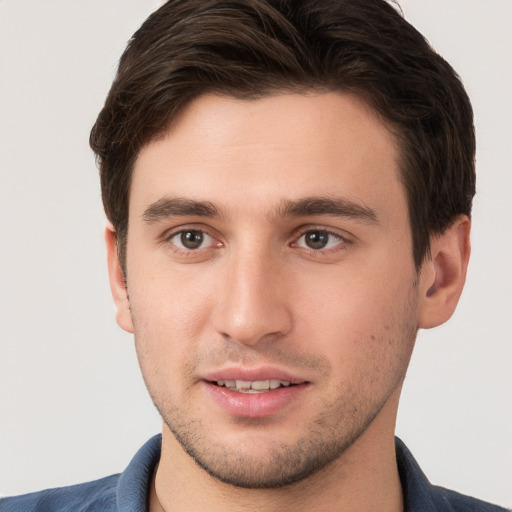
(252, 374)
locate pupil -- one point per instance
(191, 239)
(317, 239)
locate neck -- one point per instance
(365, 478)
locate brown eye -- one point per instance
(191, 239)
(317, 239)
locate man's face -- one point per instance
(269, 247)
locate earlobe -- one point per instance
(117, 282)
(443, 275)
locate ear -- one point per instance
(117, 282)
(443, 275)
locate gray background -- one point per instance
(72, 404)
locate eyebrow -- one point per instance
(178, 207)
(306, 207)
(335, 206)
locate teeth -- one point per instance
(247, 386)
(243, 384)
(273, 384)
(260, 384)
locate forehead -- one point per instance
(235, 153)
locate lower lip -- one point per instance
(254, 405)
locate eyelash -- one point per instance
(190, 252)
(342, 240)
(187, 252)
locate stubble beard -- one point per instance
(285, 464)
(325, 440)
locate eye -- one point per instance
(317, 239)
(191, 239)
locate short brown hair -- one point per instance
(251, 48)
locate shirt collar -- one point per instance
(419, 494)
(134, 483)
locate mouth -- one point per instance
(253, 386)
(255, 393)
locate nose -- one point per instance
(252, 303)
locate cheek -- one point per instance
(170, 302)
(362, 324)
(169, 314)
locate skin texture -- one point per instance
(255, 296)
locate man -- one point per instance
(289, 187)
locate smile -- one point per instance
(259, 398)
(254, 386)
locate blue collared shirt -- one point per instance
(129, 491)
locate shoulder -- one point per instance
(421, 495)
(452, 501)
(95, 496)
(126, 491)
